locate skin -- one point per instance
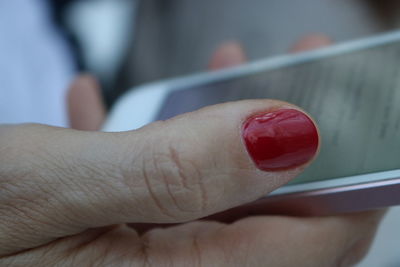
(66, 196)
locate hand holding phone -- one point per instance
(98, 180)
(350, 89)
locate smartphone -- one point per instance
(351, 89)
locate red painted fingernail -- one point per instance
(281, 139)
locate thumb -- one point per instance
(174, 171)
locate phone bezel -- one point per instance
(312, 198)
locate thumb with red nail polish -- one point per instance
(179, 170)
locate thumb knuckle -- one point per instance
(175, 181)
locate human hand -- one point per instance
(66, 196)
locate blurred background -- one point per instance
(125, 43)
(130, 42)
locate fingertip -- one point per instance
(84, 85)
(85, 80)
(310, 42)
(228, 54)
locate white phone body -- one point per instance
(342, 193)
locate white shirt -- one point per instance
(35, 65)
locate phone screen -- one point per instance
(354, 97)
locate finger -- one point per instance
(311, 42)
(266, 241)
(235, 53)
(58, 181)
(85, 104)
(257, 241)
(228, 54)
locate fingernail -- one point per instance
(281, 139)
